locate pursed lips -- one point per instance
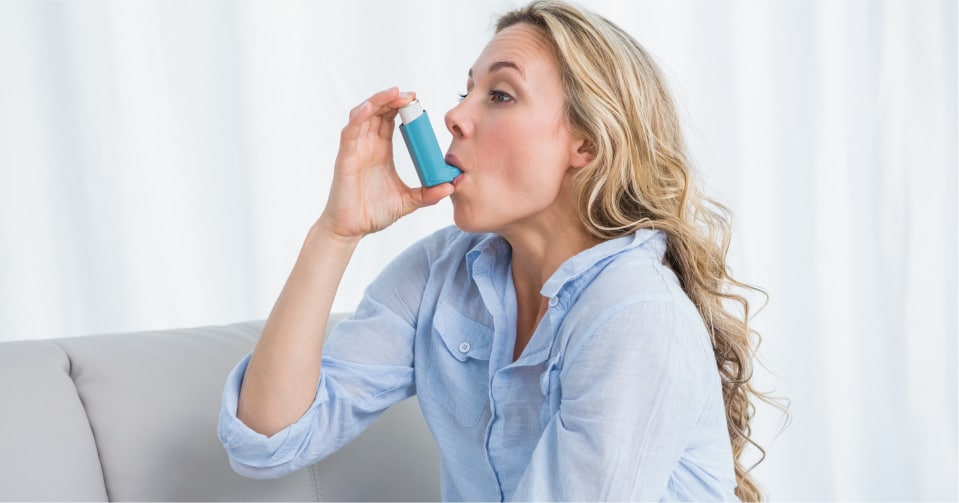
(453, 161)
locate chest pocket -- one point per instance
(458, 372)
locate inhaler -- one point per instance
(423, 146)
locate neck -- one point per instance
(537, 255)
(544, 241)
(537, 252)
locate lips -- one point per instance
(453, 161)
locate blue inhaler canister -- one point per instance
(423, 146)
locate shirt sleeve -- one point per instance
(367, 366)
(631, 395)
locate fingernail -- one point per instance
(405, 95)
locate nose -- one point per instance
(458, 122)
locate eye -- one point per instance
(499, 97)
(463, 96)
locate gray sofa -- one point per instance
(133, 417)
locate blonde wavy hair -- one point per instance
(617, 99)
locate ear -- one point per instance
(583, 153)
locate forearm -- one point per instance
(280, 382)
(366, 195)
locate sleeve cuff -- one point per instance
(253, 454)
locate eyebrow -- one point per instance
(499, 65)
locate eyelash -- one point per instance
(497, 95)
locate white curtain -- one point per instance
(161, 162)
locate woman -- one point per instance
(568, 338)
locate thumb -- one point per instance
(428, 196)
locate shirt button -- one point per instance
(553, 301)
(464, 347)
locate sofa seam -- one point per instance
(317, 493)
(83, 405)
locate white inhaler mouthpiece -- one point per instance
(423, 146)
(411, 112)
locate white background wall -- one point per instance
(161, 162)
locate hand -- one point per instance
(366, 194)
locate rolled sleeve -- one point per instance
(338, 414)
(253, 454)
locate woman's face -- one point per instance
(511, 137)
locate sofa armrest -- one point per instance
(47, 451)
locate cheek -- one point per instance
(524, 161)
(519, 151)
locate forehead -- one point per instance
(522, 44)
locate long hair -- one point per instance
(617, 99)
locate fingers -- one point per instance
(386, 102)
(382, 105)
(387, 114)
(376, 101)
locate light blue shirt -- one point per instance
(616, 396)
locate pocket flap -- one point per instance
(462, 336)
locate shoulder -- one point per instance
(637, 301)
(630, 279)
(432, 263)
(446, 242)
(660, 342)
(411, 279)
(443, 249)
(413, 267)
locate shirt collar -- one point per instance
(575, 269)
(491, 245)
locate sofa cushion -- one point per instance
(133, 417)
(48, 449)
(153, 402)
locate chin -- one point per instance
(470, 224)
(466, 225)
